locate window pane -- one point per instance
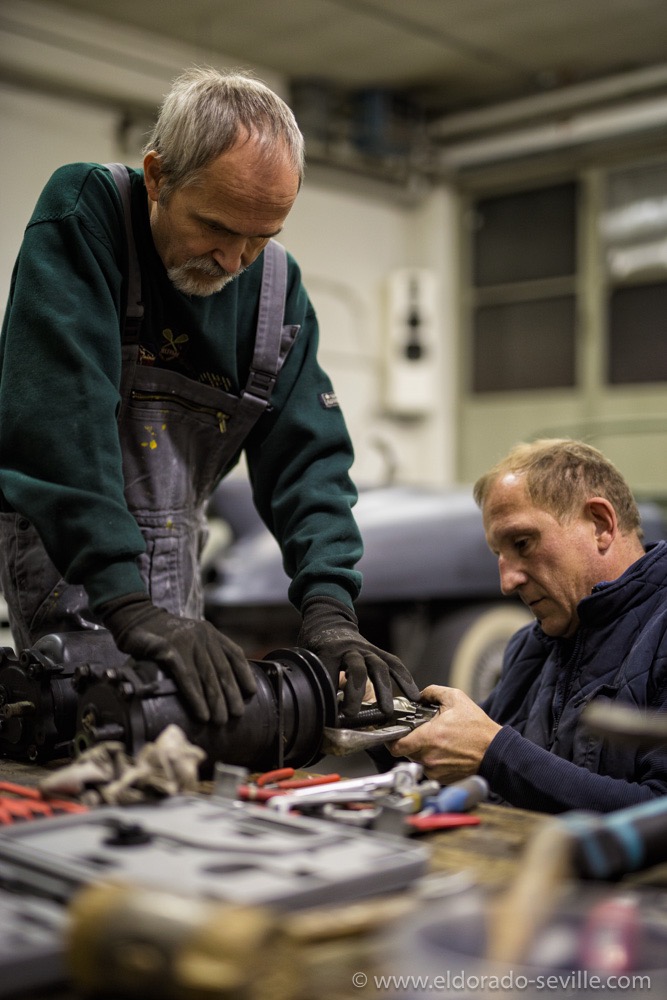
(522, 237)
(524, 345)
(633, 226)
(638, 334)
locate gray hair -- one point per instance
(203, 114)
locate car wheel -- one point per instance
(465, 649)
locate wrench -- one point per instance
(402, 778)
(408, 715)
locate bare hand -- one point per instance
(451, 746)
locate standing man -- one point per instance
(154, 331)
(565, 528)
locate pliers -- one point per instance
(279, 781)
(25, 803)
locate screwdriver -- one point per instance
(459, 797)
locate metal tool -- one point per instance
(372, 729)
(254, 792)
(413, 800)
(402, 778)
(458, 797)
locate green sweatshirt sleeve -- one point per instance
(60, 461)
(299, 458)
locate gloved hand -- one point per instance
(330, 630)
(210, 671)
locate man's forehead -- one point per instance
(510, 478)
(507, 490)
(508, 506)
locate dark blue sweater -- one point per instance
(544, 758)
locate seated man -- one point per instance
(565, 528)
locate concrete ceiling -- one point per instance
(448, 55)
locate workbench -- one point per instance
(489, 855)
(491, 851)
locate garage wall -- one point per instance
(40, 132)
(350, 245)
(58, 106)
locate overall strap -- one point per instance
(134, 308)
(265, 362)
(273, 340)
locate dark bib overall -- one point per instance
(178, 437)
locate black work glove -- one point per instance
(210, 670)
(330, 630)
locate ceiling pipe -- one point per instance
(623, 120)
(553, 102)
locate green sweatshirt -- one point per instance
(60, 365)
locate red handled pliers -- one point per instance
(279, 781)
(24, 803)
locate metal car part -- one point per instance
(38, 702)
(282, 723)
(291, 720)
(74, 690)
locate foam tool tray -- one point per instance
(210, 847)
(31, 945)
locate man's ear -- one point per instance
(152, 174)
(605, 521)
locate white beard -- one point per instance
(200, 276)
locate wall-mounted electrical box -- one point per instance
(409, 362)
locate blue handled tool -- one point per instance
(627, 840)
(459, 797)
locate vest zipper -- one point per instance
(564, 688)
(151, 397)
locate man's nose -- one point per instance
(231, 256)
(511, 576)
